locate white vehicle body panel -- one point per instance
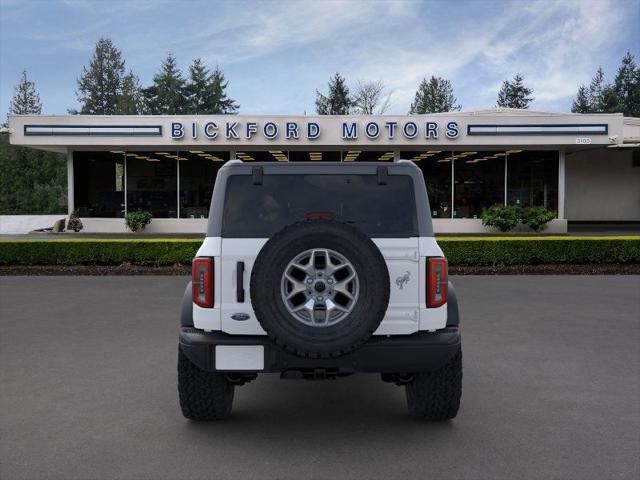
(405, 259)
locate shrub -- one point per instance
(137, 220)
(508, 217)
(503, 217)
(542, 250)
(459, 251)
(74, 223)
(98, 252)
(537, 217)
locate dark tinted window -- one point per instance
(262, 210)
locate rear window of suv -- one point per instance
(259, 211)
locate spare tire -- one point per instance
(320, 288)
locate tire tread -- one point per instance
(203, 395)
(435, 396)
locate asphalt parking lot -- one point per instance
(551, 390)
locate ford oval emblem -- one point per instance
(241, 317)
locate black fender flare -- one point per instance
(186, 309)
(453, 315)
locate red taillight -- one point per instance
(437, 282)
(202, 282)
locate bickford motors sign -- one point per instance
(310, 130)
(232, 131)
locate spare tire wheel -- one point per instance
(320, 288)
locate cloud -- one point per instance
(553, 44)
(277, 53)
(287, 26)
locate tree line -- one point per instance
(621, 95)
(435, 95)
(106, 88)
(33, 181)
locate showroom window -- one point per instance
(197, 172)
(167, 184)
(99, 184)
(478, 182)
(532, 178)
(436, 166)
(152, 184)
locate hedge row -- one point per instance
(98, 252)
(459, 251)
(533, 251)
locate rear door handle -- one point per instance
(240, 282)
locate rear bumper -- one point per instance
(419, 352)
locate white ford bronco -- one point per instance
(319, 270)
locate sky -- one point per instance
(275, 54)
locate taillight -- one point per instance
(202, 282)
(437, 282)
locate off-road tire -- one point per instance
(333, 340)
(436, 395)
(203, 395)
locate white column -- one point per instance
(70, 189)
(506, 166)
(177, 188)
(232, 154)
(561, 177)
(453, 183)
(125, 187)
(396, 155)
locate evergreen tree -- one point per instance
(130, 101)
(602, 97)
(218, 100)
(206, 92)
(167, 95)
(31, 181)
(25, 99)
(433, 96)
(621, 96)
(338, 101)
(581, 104)
(196, 89)
(100, 85)
(596, 91)
(514, 94)
(610, 101)
(627, 86)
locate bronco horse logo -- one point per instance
(402, 280)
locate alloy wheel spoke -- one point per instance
(310, 285)
(343, 286)
(309, 305)
(297, 285)
(332, 306)
(307, 269)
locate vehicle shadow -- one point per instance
(317, 411)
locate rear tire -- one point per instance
(435, 396)
(203, 395)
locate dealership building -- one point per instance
(586, 168)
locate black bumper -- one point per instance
(419, 352)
